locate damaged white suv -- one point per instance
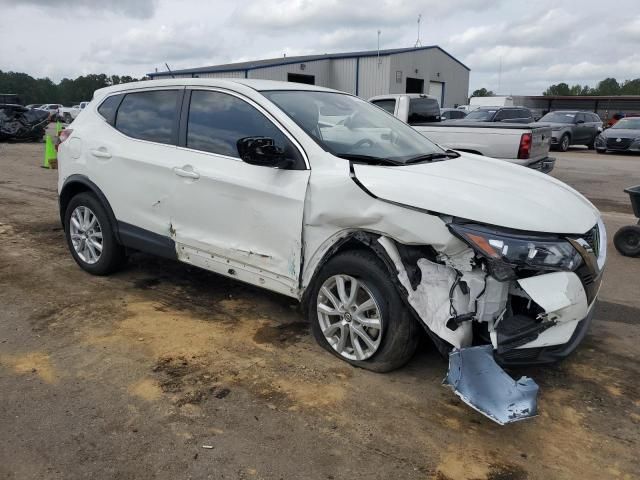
(323, 197)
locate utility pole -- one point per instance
(379, 61)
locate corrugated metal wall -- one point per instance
(432, 66)
(235, 74)
(319, 69)
(343, 75)
(373, 77)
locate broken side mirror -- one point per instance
(262, 151)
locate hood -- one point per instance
(621, 133)
(484, 190)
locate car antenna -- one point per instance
(167, 65)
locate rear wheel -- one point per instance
(90, 236)
(357, 314)
(627, 240)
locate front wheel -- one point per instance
(627, 240)
(601, 150)
(357, 314)
(564, 143)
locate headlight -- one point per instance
(508, 249)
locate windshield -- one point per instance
(630, 123)
(558, 117)
(481, 115)
(349, 127)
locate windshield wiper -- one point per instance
(430, 157)
(369, 159)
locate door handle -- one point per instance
(187, 171)
(100, 153)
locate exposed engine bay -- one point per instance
(21, 123)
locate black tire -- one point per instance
(601, 150)
(592, 144)
(564, 142)
(113, 255)
(627, 240)
(400, 331)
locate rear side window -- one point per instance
(423, 110)
(388, 105)
(217, 121)
(108, 108)
(149, 116)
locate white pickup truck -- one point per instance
(69, 114)
(526, 145)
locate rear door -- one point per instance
(131, 157)
(229, 216)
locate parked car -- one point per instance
(68, 114)
(526, 145)
(375, 229)
(623, 136)
(452, 114)
(572, 127)
(501, 114)
(22, 123)
(34, 105)
(53, 109)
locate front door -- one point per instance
(232, 217)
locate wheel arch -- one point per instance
(76, 184)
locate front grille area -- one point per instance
(592, 237)
(623, 144)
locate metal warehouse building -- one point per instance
(428, 70)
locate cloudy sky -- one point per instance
(537, 42)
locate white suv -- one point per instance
(323, 197)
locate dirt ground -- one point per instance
(165, 371)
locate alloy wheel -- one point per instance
(86, 234)
(349, 317)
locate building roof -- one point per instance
(275, 62)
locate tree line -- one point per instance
(67, 91)
(608, 86)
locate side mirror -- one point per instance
(263, 152)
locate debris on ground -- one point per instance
(21, 123)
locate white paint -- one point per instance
(484, 190)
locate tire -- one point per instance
(112, 255)
(601, 150)
(565, 141)
(592, 145)
(627, 240)
(67, 118)
(398, 334)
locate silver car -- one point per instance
(572, 127)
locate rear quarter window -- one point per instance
(108, 108)
(149, 116)
(388, 105)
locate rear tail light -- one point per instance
(64, 134)
(525, 145)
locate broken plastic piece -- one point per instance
(480, 382)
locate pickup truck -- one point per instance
(526, 145)
(69, 114)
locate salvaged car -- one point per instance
(326, 198)
(22, 123)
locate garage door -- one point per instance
(436, 89)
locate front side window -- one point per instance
(217, 121)
(357, 130)
(148, 115)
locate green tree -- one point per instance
(482, 92)
(559, 89)
(608, 86)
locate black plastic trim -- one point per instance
(145, 241)
(84, 181)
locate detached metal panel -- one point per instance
(373, 76)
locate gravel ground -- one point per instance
(132, 376)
